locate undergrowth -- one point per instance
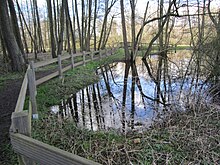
(181, 138)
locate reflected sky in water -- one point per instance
(99, 106)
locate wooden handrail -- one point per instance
(29, 148)
(21, 98)
(44, 153)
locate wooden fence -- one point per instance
(143, 46)
(29, 150)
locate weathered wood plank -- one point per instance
(78, 54)
(60, 66)
(44, 63)
(65, 57)
(34, 76)
(45, 154)
(32, 88)
(21, 98)
(46, 78)
(79, 63)
(72, 61)
(67, 68)
(21, 124)
(84, 58)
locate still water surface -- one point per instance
(100, 105)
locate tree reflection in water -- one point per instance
(124, 98)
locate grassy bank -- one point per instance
(190, 137)
(182, 138)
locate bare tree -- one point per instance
(52, 39)
(60, 39)
(14, 52)
(124, 31)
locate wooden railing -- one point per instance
(143, 46)
(29, 150)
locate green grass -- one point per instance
(178, 139)
(181, 138)
(53, 91)
(8, 155)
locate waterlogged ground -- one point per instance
(100, 105)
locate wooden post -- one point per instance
(100, 54)
(60, 66)
(92, 55)
(72, 60)
(34, 77)
(32, 93)
(106, 52)
(21, 124)
(84, 58)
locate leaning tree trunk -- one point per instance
(15, 25)
(14, 52)
(23, 33)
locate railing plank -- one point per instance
(45, 154)
(67, 68)
(21, 98)
(46, 78)
(44, 63)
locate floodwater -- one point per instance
(106, 105)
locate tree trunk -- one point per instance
(132, 4)
(35, 29)
(15, 27)
(89, 25)
(52, 40)
(55, 22)
(60, 40)
(40, 38)
(68, 20)
(78, 25)
(94, 24)
(23, 34)
(14, 52)
(82, 23)
(124, 31)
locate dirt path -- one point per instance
(8, 98)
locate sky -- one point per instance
(141, 4)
